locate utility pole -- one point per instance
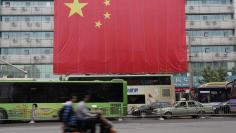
(189, 64)
(25, 72)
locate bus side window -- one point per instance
(4, 93)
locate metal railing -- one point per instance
(40, 114)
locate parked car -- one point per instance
(148, 109)
(222, 108)
(184, 108)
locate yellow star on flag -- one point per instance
(76, 7)
(98, 24)
(107, 15)
(107, 2)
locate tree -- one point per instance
(211, 75)
(221, 74)
(233, 70)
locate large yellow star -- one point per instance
(107, 15)
(98, 24)
(76, 7)
(107, 2)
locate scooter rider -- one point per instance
(91, 118)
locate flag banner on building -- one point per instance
(119, 36)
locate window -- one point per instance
(47, 51)
(191, 104)
(4, 92)
(6, 3)
(205, 34)
(136, 99)
(227, 50)
(207, 50)
(58, 92)
(27, 3)
(181, 104)
(165, 92)
(26, 52)
(226, 34)
(7, 19)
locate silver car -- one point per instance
(184, 108)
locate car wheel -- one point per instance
(3, 116)
(201, 114)
(168, 115)
(195, 116)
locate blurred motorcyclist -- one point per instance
(92, 118)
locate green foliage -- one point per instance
(213, 75)
(233, 70)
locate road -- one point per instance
(216, 125)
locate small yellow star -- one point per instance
(76, 7)
(98, 24)
(107, 2)
(107, 15)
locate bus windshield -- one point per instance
(213, 92)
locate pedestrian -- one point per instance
(68, 116)
(91, 118)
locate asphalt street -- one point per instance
(216, 125)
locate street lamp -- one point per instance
(25, 72)
(189, 63)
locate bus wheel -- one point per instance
(168, 115)
(3, 116)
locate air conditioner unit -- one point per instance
(4, 57)
(24, 9)
(225, 55)
(13, 24)
(191, 7)
(29, 24)
(217, 55)
(43, 57)
(193, 39)
(230, 38)
(28, 40)
(37, 24)
(207, 23)
(38, 41)
(214, 22)
(196, 55)
(191, 23)
(14, 40)
(36, 57)
(13, 8)
(36, 9)
(230, 7)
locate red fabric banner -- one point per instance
(119, 36)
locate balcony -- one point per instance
(27, 59)
(26, 10)
(210, 24)
(27, 42)
(26, 26)
(211, 57)
(209, 9)
(212, 40)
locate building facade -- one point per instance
(26, 38)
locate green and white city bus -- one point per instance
(142, 89)
(19, 98)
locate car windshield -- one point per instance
(224, 103)
(143, 107)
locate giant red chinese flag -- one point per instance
(119, 36)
